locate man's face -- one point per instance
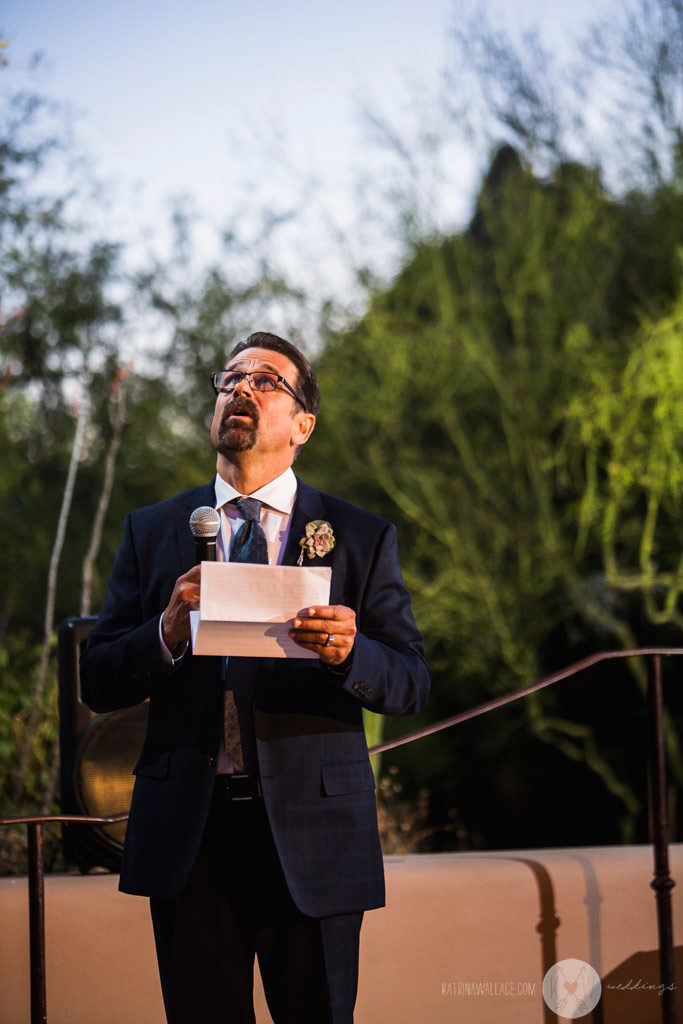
(270, 422)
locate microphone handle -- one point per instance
(205, 549)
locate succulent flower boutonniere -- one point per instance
(317, 541)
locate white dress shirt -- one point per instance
(278, 498)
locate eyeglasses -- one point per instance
(225, 381)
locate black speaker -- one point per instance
(98, 754)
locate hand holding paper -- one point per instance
(246, 610)
(328, 631)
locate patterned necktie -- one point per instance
(248, 545)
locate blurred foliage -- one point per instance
(404, 824)
(19, 657)
(513, 403)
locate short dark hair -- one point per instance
(306, 383)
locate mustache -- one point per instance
(240, 406)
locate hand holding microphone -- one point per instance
(205, 522)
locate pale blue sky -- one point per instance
(173, 95)
(165, 84)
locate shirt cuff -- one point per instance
(339, 671)
(178, 652)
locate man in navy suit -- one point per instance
(256, 834)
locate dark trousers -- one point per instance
(236, 905)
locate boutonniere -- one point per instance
(317, 541)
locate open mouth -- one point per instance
(240, 411)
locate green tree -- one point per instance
(459, 407)
(478, 370)
(92, 425)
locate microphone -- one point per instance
(205, 522)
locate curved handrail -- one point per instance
(79, 819)
(463, 716)
(508, 698)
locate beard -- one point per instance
(237, 437)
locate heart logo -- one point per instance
(579, 995)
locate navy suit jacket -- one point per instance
(317, 781)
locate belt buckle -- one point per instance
(234, 783)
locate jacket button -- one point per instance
(211, 759)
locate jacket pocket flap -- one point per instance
(352, 777)
(157, 769)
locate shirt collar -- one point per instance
(279, 493)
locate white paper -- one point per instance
(246, 610)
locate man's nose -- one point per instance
(244, 386)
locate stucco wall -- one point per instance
(464, 938)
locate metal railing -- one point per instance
(662, 882)
(36, 898)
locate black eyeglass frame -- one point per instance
(241, 374)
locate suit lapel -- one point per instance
(309, 505)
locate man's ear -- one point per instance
(302, 428)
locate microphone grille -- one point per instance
(205, 522)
